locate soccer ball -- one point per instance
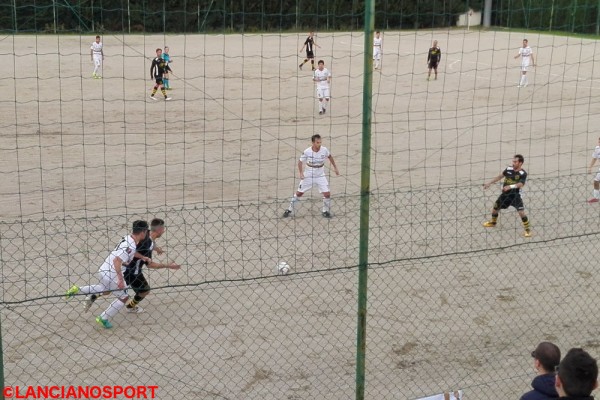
(283, 268)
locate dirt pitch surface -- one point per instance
(451, 305)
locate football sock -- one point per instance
(596, 194)
(166, 82)
(163, 91)
(494, 218)
(132, 303)
(113, 309)
(294, 200)
(326, 204)
(526, 223)
(154, 91)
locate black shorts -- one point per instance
(159, 81)
(310, 54)
(138, 282)
(506, 200)
(433, 65)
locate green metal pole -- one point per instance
(365, 188)
(1, 363)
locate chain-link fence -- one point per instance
(451, 304)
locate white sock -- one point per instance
(525, 79)
(325, 105)
(522, 80)
(596, 193)
(294, 200)
(326, 204)
(113, 309)
(92, 289)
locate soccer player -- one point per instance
(314, 174)
(157, 71)
(596, 193)
(434, 56)
(309, 43)
(167, 58)
(97, 55)
(377, 41)
(322, 77)
(526, 54)
(514, 179)
(134, 275)
(111, 274)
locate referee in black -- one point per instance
(134, 275)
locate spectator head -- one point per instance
(546, 356)
(577, 374)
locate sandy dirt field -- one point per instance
(451, 305)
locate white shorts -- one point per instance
(322, 93)
(376, 53)
(108, 279)
(308, 182)
(597, 178)
(525, 67)
(97, 60)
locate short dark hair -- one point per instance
(315, 137)
(158, 50)
(321, 62)
(578, 372)
(377, 32)
(548, 354)
(139, 226)
(520, 158)
(156, 223)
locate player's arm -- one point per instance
(332, 161)
(518, 54)
(102, 52)
(439, 55)
(494, 180)
(142, 257)
(428, 56)
(513, 186)
(300, 169)
(532, 59)
(170, 265)
(117, 264)
(92, 53)
(329, 78)
(158, 250)
(592, 163)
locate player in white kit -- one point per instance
(596, 193)
(526, 54)
(97, 55)
(314, 174)
(377, 42)
(322, 77)
(111, 274)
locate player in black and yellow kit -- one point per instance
(434, 56)
(134, 276)
(158, 68)
(309, 43)
(514, 179)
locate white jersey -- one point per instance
(321, 77)
(377, 48)
(315, 161)
(377, 42)
(96, 49)
(525, 53)
(125, 250)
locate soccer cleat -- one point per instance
(527, 233)
(324, 110)
(519, 86)
(593, 200)
(87, 303)
(326, 214)
(167, 98)
(72, 292)
(103, 322)
(320, 112)
(287, 213)
(489, 224)
(135, 310)
(98, 77)
(153, 98)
